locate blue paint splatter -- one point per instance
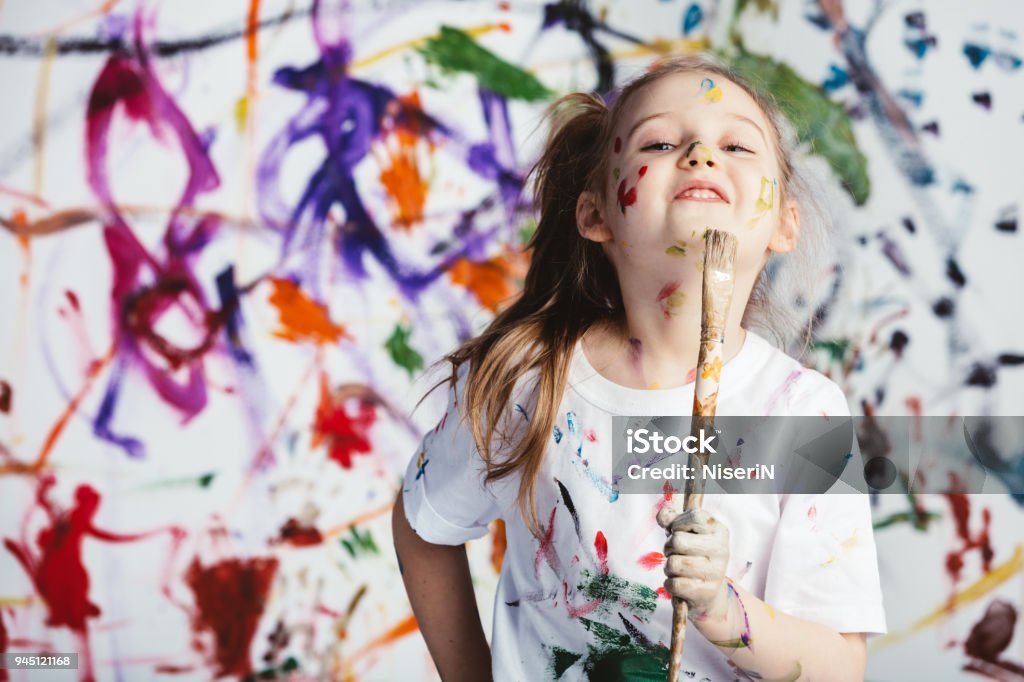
(976, 54)
(836, 79)
(520, 410)
(570, 417)
(692, 18)
(557, 433)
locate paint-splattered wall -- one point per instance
(235, 233)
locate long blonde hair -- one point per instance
(570, 284)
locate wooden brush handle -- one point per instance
(719, 279)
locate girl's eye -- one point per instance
(657, 147)
(736, 147)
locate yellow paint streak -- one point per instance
(973, 592)
(418, 42)
(39, 114)
(712, 370)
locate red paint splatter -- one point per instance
(230, 597)
(618, 145)
(652, 560)
(346, 434)
(590, 435)
(298, 535)
(3, 646)
(504, 6)
(812, 512)
(666, 291)
(601, 547)
(663, 593)
(6, 396)
(578, 611)
(546, 548)
(643, 171)
(960, 506)
(57, 571)
(626, 198)
(72, 299)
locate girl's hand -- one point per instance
(696, 556)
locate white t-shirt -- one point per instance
(587, 599)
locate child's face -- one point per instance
(690, 151)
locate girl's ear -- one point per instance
(589, 219)
(787, 234)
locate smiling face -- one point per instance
(690, 151)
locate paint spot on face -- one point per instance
(627, 196)
(678, 249)
(618, 145)
(710, 92)
(616, 173)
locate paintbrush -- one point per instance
(719, 280)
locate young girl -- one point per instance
(780, 587)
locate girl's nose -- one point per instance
(698, 154)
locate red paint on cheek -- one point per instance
(643, 171)
(230, 596)
(626, 198)
(618, 145)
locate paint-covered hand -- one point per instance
(696, 557)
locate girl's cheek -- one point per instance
(628, 188)
(767, 195)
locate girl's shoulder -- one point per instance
(796, 388)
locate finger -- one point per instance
(692, 544)
(695, 568)
(694, 521)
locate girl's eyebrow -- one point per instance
(644, 120)
(744, 119)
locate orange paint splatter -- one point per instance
(663, 593)
(403, 628)
(401, 174)
(490, 281)
(498, 545)
(301, 318)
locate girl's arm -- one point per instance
(776, 646)
(440, 590)
(766, 644)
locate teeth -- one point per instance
(701, 194)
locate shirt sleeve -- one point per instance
(446, 500)
(824, 564)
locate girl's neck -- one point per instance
(648, 351)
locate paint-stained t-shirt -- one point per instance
(586, 600)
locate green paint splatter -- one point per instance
(611, 589)
(821, 123)
(527, 230)
(283, 671)
(689, 150)
(678, 249)
(203, 481)
(837, 350)
(763, 6)
(562, 660)
(456, 51)
(401, 352)
(359, 543)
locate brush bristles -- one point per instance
(719, 251)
